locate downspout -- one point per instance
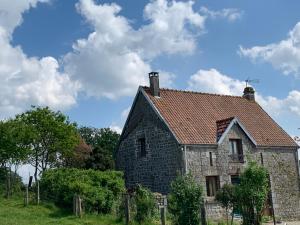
(184, 160)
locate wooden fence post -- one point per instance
(163, 210)
(38, 193)
(26, 197)
(77, 205)
(127, 209)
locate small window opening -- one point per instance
(142, 146)
(210, 159)
(235, 179)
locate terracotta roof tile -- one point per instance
(193, 116)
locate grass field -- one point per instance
(13, 212)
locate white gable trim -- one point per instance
(233, 122)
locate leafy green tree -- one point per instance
(185, 200)
(14, 148)
(52, 137)
(227, 197)
(103, 142)
(252, 193)
(79, 157)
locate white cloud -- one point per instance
(284, 55)
(212, 81)
(11, 12)
(26, 80)
(116, 128)
(231, 14)
(115, 58)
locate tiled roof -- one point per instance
(193, 116)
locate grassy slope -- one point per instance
(12, 212)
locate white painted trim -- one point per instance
(141, 89)
(233, 122)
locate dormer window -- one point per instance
(236, 150)
(142, 147)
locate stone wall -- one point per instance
(164, 157)
(280, 162)
(282, 166)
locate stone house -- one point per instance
(170, 132)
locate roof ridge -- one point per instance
(197, 92)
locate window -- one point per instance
(235, 179)
(236, 150)
(210, 159)
(142, 147)
(212, 185)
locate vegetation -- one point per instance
(145, 205)
(103, 143)
(227, 197)
(184, 201)
(99, 190)
(252, 193)
(52, 137)
(13, 212)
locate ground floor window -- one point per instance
(235, 179)
(212, 185)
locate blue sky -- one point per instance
(210, 46)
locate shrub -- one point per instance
(227, 197)
(99, 190)
(184, 201)
(145, 204)
(252, 193)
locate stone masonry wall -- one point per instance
(281, 164)
(164, 158)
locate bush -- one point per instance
(99, 190)
(184, 201)
(227, 197)
(145, 204)
(252, 193)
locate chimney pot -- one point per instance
(154, 84)
(249, 93)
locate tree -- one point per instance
(252, 193)
(52, 137)
(14, 148)
(185, 200)
(103, 142)
(227, 197)
(79, 157)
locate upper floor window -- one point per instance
(142, 147)
(212, 185)
(236, 150)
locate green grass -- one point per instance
(13, 212)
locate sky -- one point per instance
(87, 58)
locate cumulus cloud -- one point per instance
(27, 80)
(213, 81)
(284, 55)
(231, 14)
(115, 58)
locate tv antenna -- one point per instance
(251, 81)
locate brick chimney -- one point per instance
(249, 93)
(154, 84)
